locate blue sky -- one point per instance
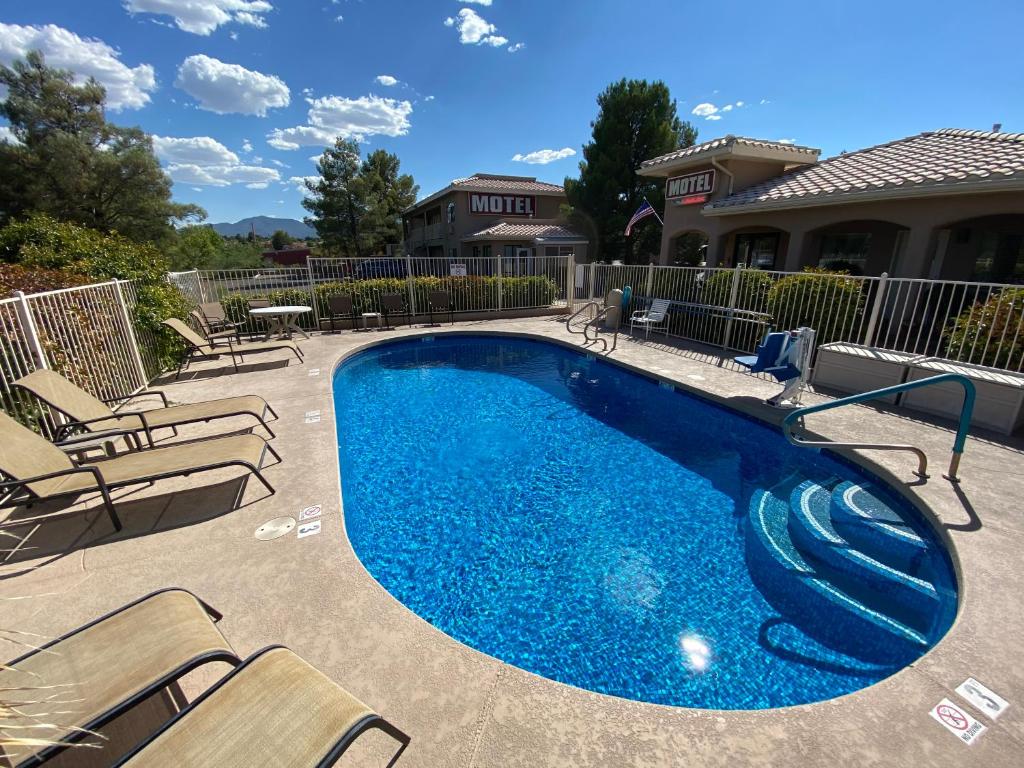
(242, 93)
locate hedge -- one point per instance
(990, 333)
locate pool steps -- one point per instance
(819, 596)
(864, 516)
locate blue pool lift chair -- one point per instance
(775, 356)
(655, 316)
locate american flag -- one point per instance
(642, 212)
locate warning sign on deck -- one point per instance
(985, 700)
(957, 721)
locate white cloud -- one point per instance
(246, 145)
(704, 109)
(204, 160)
(387, 80)
(198, 150)
(429, 98)
(727, 108)
(201, 17)
(333, 116)
(764, 101)
(225, 88)
(258, 185)
(127, 87)
(7, 135)
(544, 156)
(279, 164)
(474, 29)
(339, 18)
(713, 117)
(298, 183)
(220, 175)
(739, 103)
(516, 47)
(477, 2)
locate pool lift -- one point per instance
(786, 355)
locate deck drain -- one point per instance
(275, 529)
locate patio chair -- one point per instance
(214, 313)
(37, 470)
(341, 305)
(204, 327)
(197, 346)
(87, 413)
(393, 304)
(655, 316)
(440, 301)
(257, 324)
(274, 708)
(106, 667)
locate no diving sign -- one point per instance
(957, 721)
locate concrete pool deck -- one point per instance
(465, 709)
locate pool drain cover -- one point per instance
(275, 529)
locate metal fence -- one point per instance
(492, 284)
(977, 323)
(85, 333)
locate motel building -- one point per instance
(947, 204)
(488, 215)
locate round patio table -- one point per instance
(283, 320)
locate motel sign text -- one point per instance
(700, 183)
(502, 205)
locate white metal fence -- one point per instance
(492, 284)
(87, 334)
(979, 323)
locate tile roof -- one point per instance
(945, 160)
(492, 182)
(506, 230)
(486, 182)
(728, 143)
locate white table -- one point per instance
(376, 316)
(283, 320)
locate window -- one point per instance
(845, 251)
(453, 253)
(476, 251)
(558, 250)
(487, 251)
(1000, 258)
(757, 250)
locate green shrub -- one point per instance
(752, 292)
(990, 333)
(831, 303)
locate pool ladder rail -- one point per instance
(602, 311)
(922, 469)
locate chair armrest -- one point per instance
(23, 482)
(137, 395)
(61, 433)
(638, 314)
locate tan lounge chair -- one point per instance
(273, 709)
(103, 669)
(36, 467)
(197, 346)
(210, 332)
(93, 415)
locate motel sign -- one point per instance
(693, 185)
(502, 205)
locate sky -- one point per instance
(241, 96)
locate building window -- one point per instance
(558, 250)
(1000, 258)
(453, 253)
(476, 251)
(757, 250)
(847, 252)
(487, 251)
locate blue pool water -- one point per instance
(587, 524)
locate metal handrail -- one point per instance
(593, 323)
(961, 433)
(568, 323)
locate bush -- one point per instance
(84, 255)
(752, 292)
(830, 302)
(15, 277)
(473, 293)
(990, 333)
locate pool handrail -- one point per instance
(593, 323)
(958, 444)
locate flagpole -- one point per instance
(655, 211)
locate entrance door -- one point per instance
(757, 250)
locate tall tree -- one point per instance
(335, 201)
(280, 239)
(357, 207)
(636, 121)
(70, 163)
(387, 193)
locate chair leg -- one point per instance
(400, 736)
(109, 504)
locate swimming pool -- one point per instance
(589, 525)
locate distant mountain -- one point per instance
(265, 227)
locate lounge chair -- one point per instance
(90, 414)
(340, 305)
(208, 330)
(38, 470)
(272, 709)
(393, 304)
(197, 346)
(440, 301)
(101, 670)
(215, 316)
(655, 316)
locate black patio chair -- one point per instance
(441, 302)
(393, 304)
(341, 306)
